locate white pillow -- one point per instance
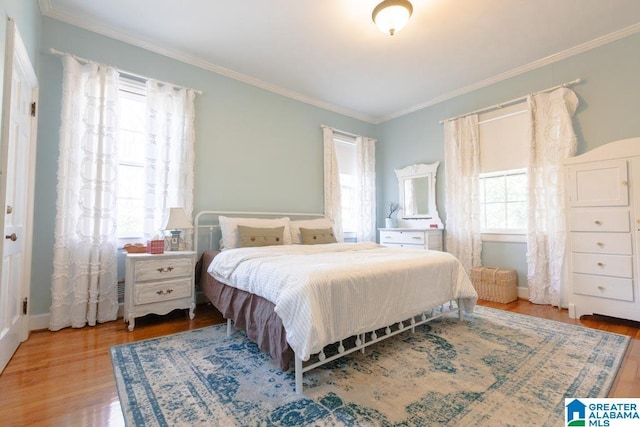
(231, 237)
(296, 236)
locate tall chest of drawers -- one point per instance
(158, 284)
(603, 198)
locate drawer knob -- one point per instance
(602, 288)
(165, 270)
(624, 182)
(600, 264)
(600, 244)
(597, 222)
(161, 292)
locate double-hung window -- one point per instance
(132, 141)
(346, 154)
(503, 137)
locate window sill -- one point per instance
(503, 237)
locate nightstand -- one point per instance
(158, 284)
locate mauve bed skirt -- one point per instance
(248, 311)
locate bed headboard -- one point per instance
(207, 230)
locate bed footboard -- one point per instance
(369, 338)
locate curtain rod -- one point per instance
(511, 101)
(56, 52)
(343, 132)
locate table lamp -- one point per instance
(178, 220)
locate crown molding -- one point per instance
(576, 50)
(94, 26)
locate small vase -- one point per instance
(390, 223)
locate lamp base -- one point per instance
(175, 240)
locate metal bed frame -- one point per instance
(362, 340)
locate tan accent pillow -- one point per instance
(312, 236)
(253, 236)
(315, 223)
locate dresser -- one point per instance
(603, 200)
(411, 238)
(158, 284)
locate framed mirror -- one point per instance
(417, 191)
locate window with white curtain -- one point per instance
(131, 160)
(503, 136)
(346, 154)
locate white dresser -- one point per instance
(158, 284)
(414, 238)
(603, 195)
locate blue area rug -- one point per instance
(494, 368)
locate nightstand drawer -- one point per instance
(160, 269)
(410, 237)
(145, 293)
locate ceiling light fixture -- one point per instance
(392, 15)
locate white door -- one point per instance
(17, 161)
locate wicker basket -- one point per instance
(495, 284)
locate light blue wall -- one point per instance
(255, 150)
(609, 110)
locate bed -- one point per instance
(313, 303)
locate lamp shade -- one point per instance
(392, 15)
(178, 219)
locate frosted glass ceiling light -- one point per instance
(392, 15)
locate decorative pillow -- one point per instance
(316, 236)
(231, 237)
(316, 224)
(252, 236)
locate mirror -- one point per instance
(417, 190)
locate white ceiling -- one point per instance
(329, 53)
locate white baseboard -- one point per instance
(39, 322)
(523, 292)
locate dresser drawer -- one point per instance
(411, 237)
(158, 269)
(603, 243)
(590, 219)
(150, 292)
(403, 246)
(602, 264)
(605, 287)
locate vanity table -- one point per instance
(411, 238)
(419, 225)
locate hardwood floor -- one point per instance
(65, 378)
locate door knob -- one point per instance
(11, 237)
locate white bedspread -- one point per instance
(325, 293)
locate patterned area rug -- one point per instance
(492, 369)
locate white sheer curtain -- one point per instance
(552, 141)
(332, 197)
(170, 154)
(462, 167)
(84, 280)
(366, 191)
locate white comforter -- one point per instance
(325, 293)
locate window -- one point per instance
(346, 154)
(131, 159)
(503, 137)
(503, 201)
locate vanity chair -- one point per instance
(418, 223)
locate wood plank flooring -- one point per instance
(65, 378)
